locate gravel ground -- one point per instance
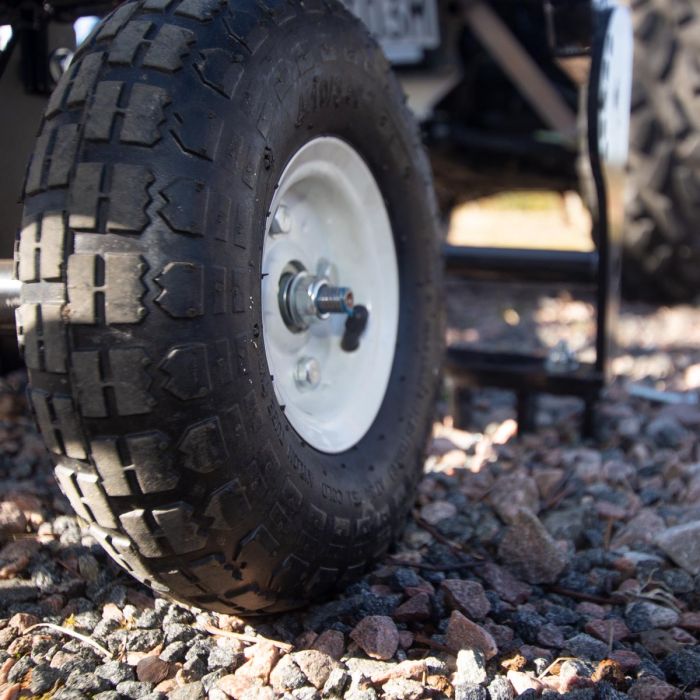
(534, 566)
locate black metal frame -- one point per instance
(529, 375)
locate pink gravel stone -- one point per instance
(462, 633)
(331, 642)
(690, 621)
(377, 636)
(650, 688)
(511, 492)
(414, 609)
(468, 597)
(591, 610)
(504, 583)
(612, 628)
(522, 682)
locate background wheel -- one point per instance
(662, 244)
(155, 255)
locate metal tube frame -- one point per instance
(528, 375)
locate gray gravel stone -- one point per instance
(88, 567)
(115, 672)
(116, 641)
(200, 647)
(569, 522)
(209, 680)
(194, 668)
(586, 647)
(87, 682)
(174, 652)
(471, 666)
(86, 622)
(666, 431)
(107, 695)
(143, 640)
(678, 581)
(402, 689)
(286, 675)
(104, 628)
(20, 669)
(43, 678)
(223, 657)
(134, 689)
(438, 666)
(644, 616)
(176, 614)
(500, 689)
(74, 665)
(178, 632)
(683, 667)
(43, 651)
(76, 646)
(336, 683)
(148, 619)
(470, 691)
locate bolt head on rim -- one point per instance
(308, 373)
(329, 245)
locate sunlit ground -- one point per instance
(536, 219)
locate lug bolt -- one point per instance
(308, 373)
(281, 221)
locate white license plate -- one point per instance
(404, 28)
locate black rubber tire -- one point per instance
(144, 217)
(662, 240)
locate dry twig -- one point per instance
(246, 637)
(72, 633)
(578, 595)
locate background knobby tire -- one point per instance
(662, 246)
(140, 253)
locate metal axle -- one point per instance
(305, 298)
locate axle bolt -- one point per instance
(308, 373)
(281, 221)
(334, 300)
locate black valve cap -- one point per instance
(355, 325)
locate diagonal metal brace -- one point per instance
(519, 66)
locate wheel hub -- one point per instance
(305, 298)
(330, 295)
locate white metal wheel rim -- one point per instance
(337, 213)
(615, 89)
